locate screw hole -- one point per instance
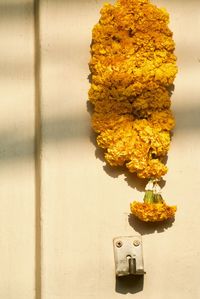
(119, 244)
(136, 242)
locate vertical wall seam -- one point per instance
(38, 148)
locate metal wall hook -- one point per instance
(128, 256)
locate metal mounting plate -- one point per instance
(128, 255)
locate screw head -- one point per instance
(136, 242)
(119, 244)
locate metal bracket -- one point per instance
(128, 256)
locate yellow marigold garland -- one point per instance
(154, 208)
(132, 66)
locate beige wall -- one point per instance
(84, 204)
(17, 188)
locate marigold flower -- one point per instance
(153, 208)
(152, 212)
(132, 66)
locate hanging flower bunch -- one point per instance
(154, 208)
(132, 66)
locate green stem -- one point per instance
(158, 198)
(149, 196)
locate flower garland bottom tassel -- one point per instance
(154, 208)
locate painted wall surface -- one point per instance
(84, 202)
(17, 174)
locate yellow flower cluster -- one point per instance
(132, 67)
(152, 212)
(154, 208)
